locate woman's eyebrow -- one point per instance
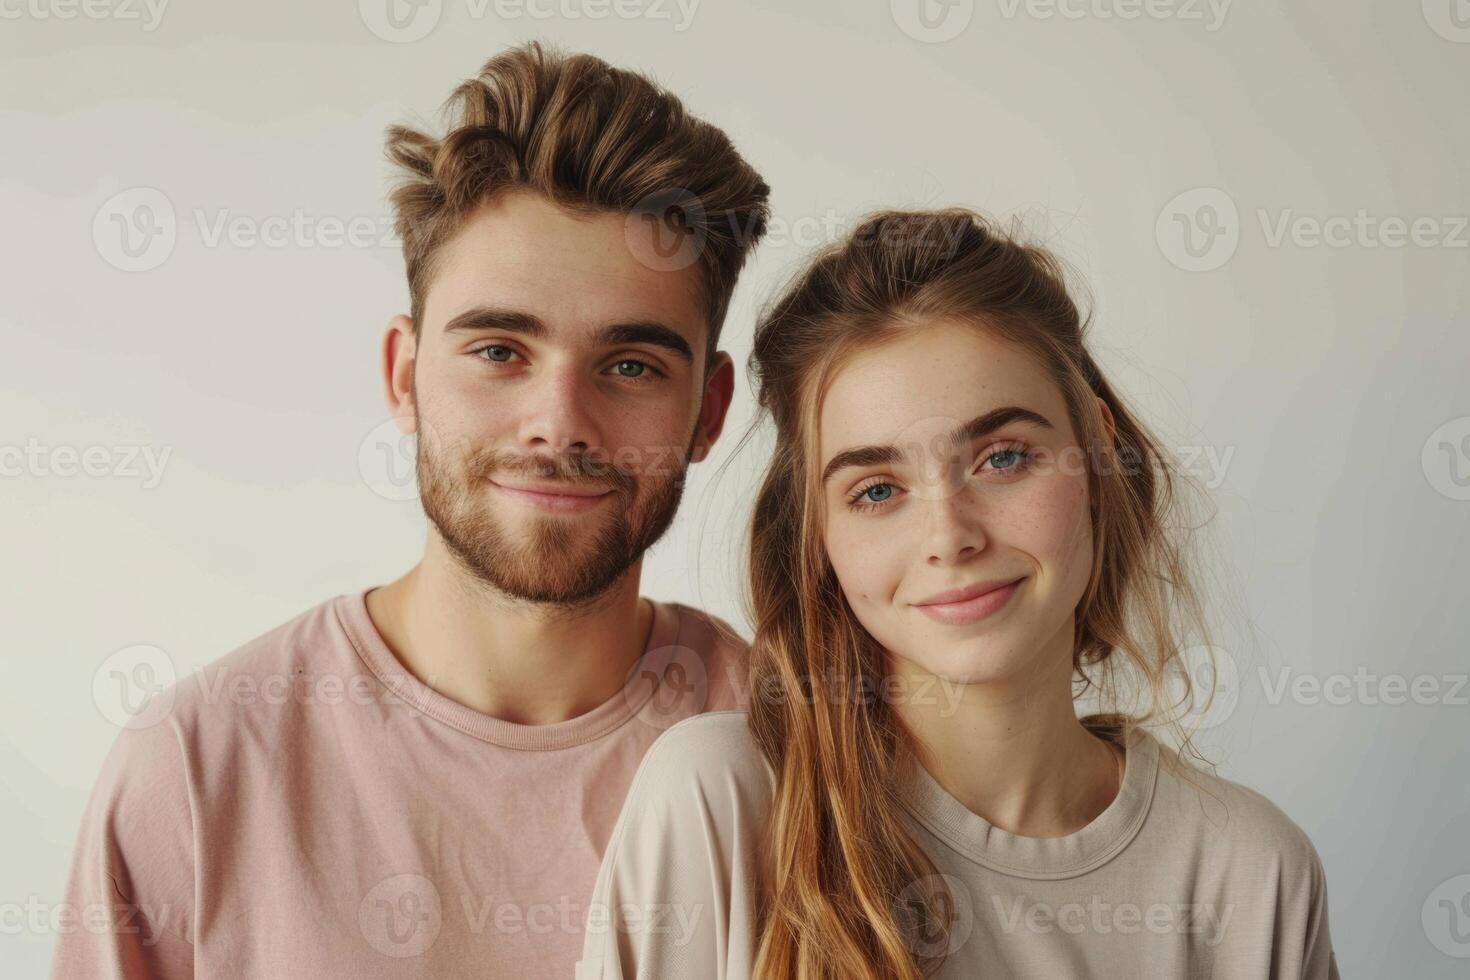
(976, 428)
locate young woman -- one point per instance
(963, 528)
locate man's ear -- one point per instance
(719, 389)
(396, 357)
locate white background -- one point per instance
(1328, 380)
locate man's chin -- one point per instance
(560, 586)
(537, 566)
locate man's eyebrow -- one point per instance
(646, 332)
(495, 318)
(978, 427)
(516, 321)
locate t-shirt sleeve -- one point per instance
(1302, 943)
(1318, 960)
(129, 905)
(675, 897)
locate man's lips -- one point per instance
(554, 497)
(553, 489)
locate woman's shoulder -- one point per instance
(725, 732)
(1226, 814)
(1243, 852)
(692, 817)
(713, 754)
(682, 856)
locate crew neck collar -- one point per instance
(663, 636)
(976, 839)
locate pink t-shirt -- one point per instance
(305, 807)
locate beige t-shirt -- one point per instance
(305, 807)
(1170, 880)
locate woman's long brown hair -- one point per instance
(839, 854)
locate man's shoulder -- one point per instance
(705, 631)
(290, 664)
(723, 652)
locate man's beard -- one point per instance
(566, 561)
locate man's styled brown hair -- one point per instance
(591, 138)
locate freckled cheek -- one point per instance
(866, 563)
(1058, 527)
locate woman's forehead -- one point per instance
(924, 384)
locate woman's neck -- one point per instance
(1013, 751)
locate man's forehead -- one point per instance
(583, 279)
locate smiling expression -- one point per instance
(551, 359)
(916, 513)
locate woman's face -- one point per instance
(916, 515)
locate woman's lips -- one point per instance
(971, 610)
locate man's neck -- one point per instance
(521, 662)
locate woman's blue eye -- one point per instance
(1006, 461)
(861, 499)
(1007, 452)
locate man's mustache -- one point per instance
(588, 470)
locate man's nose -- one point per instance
(555, 411)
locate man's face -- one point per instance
(558, 384)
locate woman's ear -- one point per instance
(1111, 426)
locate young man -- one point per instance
(420, 779)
